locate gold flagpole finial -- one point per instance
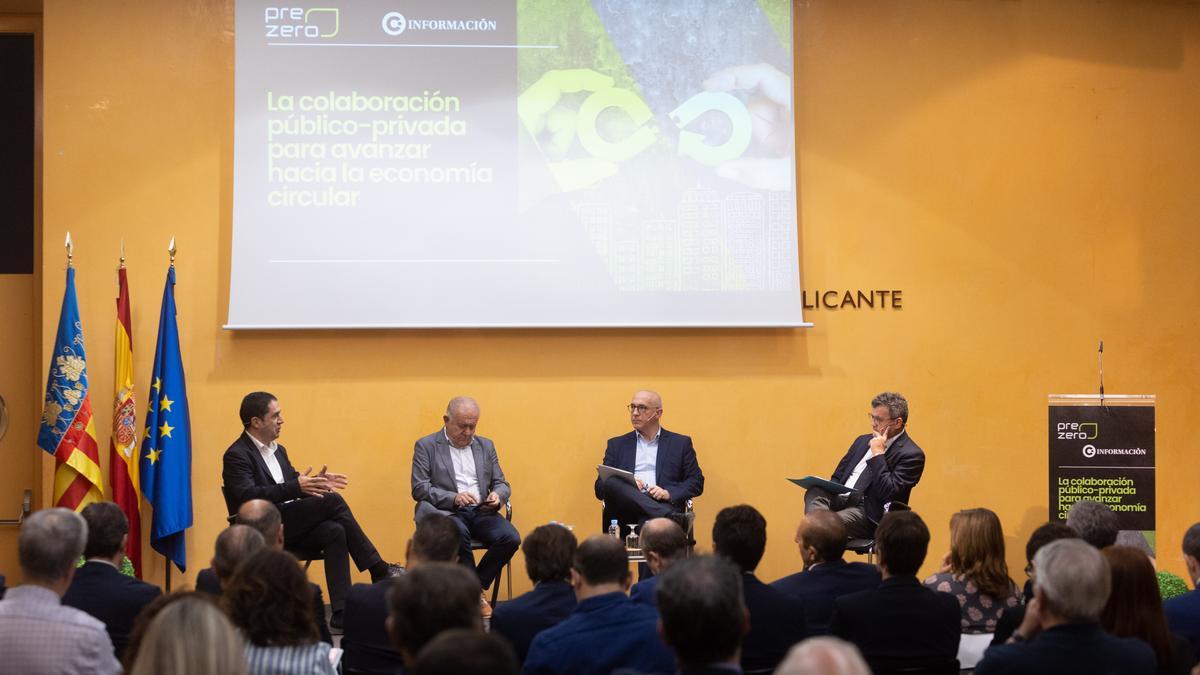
(122, 252)
(171, 250)
(70, 249)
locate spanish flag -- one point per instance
(122, 445)
(67, 431)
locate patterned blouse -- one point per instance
(298, 660)
(980, 612)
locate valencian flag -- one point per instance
(67, 431)
(166, 454)
(122, 446)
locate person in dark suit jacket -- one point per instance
(826, 576)
(663, 542)
(663, 463)
(1061, 631)
(368, 648)
(457, 474)
(1183, 611)
(99, 588)
(776, 618)
(880, 467)
(703, 616)
(315, 516)
(901, 625)
(548, 550)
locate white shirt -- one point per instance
(466, 478)
(646, 459)
(862, 463)
(268, 455)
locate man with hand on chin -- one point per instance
(880, 467)
(315, 516)
(663, 464)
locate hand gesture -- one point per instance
(1031, 625)
(659, 493)
(879, 442)
(465, 499)
(769, 167)
(337, 481)
(316, 485)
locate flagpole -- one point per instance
(166, 559)
(70, 249)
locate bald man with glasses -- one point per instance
(663, 463)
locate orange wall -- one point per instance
(1025, 172)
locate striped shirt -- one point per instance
(310, 659)
(40, 636)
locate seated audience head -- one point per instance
(600, 566)
(1052, 531)
(263, 516)
(430, 599)
(822, 537)
(270, 600)
(466, 652)
(186, 634)
(977, 551)
(549, 551)
(49, 546)
(663, 542)
(108, 529)
(1134, 607)
(1071, 581)
(740, 534)
(702, 616)
(234, 544)
(1191, 552)
(902, 540)
(1095, 522)
(824, 655)
(436, 540)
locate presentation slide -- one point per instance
(549, 163)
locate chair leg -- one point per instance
(495, 589)
(508, 575)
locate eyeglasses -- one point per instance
(639, 408)
(879, 420)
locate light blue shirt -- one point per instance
(646, 458)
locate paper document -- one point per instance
(606, 472)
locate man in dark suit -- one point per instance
(368, 648)
(703, 615)
(315, 516)
(880, 467)
(901, 624)
(662, 542)
(776, 618)
(826, 576)
(606, 632)
(663, 463)
(457, 473)
(99, 588)
(1061, 631)
(548, 550)
(1183, 611)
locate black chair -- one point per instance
(867, 546)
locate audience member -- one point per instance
(368, 648)
(428, 600)
(1135, 610)
(606, 631)
(1061, 630)
(826, 575)
(703, 615)
(234, 544)
(1095, 522)
(776, 618)
(212, 645)
(466, 652)
(1013, 616)
(663, 542)
(975, 572)
(99, 588)
(901, 625)
(824, 655)
(270, 600)
(1183, 611)
(548, 550)
(38, 634)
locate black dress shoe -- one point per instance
(386, 571)
(336, 621)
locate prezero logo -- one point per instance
(1089, 450)
(394, 23)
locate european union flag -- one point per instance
(166, 455)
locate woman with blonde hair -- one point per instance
(189, 635)
(975, 571)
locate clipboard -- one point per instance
(605, 472)
(827, 485)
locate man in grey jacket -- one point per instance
(456, 473)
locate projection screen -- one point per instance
(551, 163)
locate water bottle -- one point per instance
(614, 530)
